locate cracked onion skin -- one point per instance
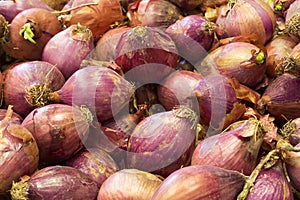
(19, 153)
(60, 131)
(55, 182)
(200, 182)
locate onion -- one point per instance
(94, 162)
(277, 49)
(200, 182)
(240, 60)
(245, 17)
(292, 128)
(68, 48)
(291, 63)
(193, 36)
(163, 142)
(15, 117)
(173, 92)
(55, 182)
(19, 153)
(29, 32)
(153, 13)
(129, 184)
(235, 149)
(59, 130)
(9, 9)
(292, 20)
(105, 91)
(271, 184)
(149, 51)
(24, 5)
(281, 98)
(187, 5)
(27, 84)
(98, 18)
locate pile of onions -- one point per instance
(244, 17)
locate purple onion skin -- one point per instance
(15, 118)
(68, 48)
(292, 20)
(60, 131)
(94, 162)
(216, 97)
(177, 89)
(106, 92)
(129, 184)
(294, 138)
(271, 184)
(200, 182)
(19, 153)
(55, 182)
(149, 51)
(9, 10)
(235, 60)
(20, 79)
(163, 142)
(193, 36)
(236, 149)
(248, 17)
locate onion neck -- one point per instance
(293, 24)
(287, 65)
(209, 27)
(81, 33)
(30, 31)
(38, 95)
(19, 190)
(232, 3)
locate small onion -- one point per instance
(59, 130)
(240, 60)
(36, 26)
(200, 182)
(292, 20)
(26, 84)
(271, 184)
(105, 91)
(149, 51)
(19, 153)
(129, 184)
(236, 149)
(162, 143)
(68, 48)
(55, 182)
(94, 162)
(177, 89)
(153, 13)
(245, 17)
(291, 63)
(193, 36)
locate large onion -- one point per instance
(27, 84)
(19, 153)
(245, 17)
(129, 184)
(60, 131)
(200, 182)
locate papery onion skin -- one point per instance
(200, 182)
(15, 117)
(271, 184)
(293, 128)
(106, 92)
(68, 48)
(19, 153)
(94, 162)
(193, 36)
(129, 184)
(60, 131)
(22, 79)
(163, 142)
(248, 17)
(241, 60)
(55, 182)
(236, 149)
(177, 89)
(153, 13)
(149, 51)
(44, 24)
(292, 20)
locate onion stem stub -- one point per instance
(27, 32)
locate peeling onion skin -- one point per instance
(271, 184)
(23, 77)
(19, 153)
(200, 182)
(163, 142)
(236, 149)
(94, 162)
(60, 131)
(55, 182)
(129, 184)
